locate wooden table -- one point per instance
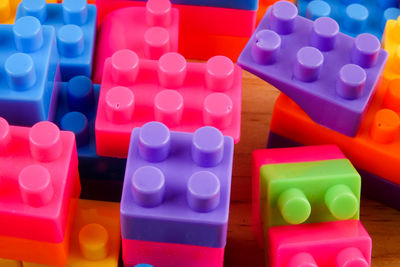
(382, 223)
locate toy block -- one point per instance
(29, 71)
(75, 25)
(183, 95)
(277, 156)
(376, 147)
(233, 4)
(150, 31)
(263, 6)
(332, 76)
(391, 43)
(329, 244)
(190, 206)
(8, 8)
(39, 169)
(170, 254)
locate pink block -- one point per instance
(330, 244)
(283, 155)
(150, 31)
(39, 166)
(170, 255)
(183, 95)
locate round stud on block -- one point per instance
(355, 18)
(77, 123)
(154, 141)
(309, 61)
(294, 206)
(365, 50)
(266, 47)
(351, 257)
(80, 94)
(341, 202)
(217, 110)
(124, 67)
(158, 13)
(148, 186)
(143, 265)
(302, 260)
(283, 17)
(317, 9)
(207, 146)
(28, 34)
(5, 10)
(156, 42)
(392, 97)
(35, 185)
(34, 8)
(120, 104)
(5, 135)
(220, 73)
(70, 41)
(351, 81)
(172, 70)
(203, 191)
(385, 126)
(389, 14)
(75, 11)
(168, 107)
(20, 71)
(94, 241)
(324, 32)
(45, 141)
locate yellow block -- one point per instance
(391, 43)
(10, 263)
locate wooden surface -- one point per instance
(382, 223)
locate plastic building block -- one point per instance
(10, 263)
(354, 17)
(170, 255)
(330, 75)
(75, 24)
(391, 43)
(29, 71)
(134, 91)
(150, 31)
(330, 244)
(284, 155)
(376, 147)
(8, 8)
(189, 206)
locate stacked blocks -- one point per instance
(29, 71)
(75, 24)
(178, 183)
(150, 31)
(183, 95)
(40, 183)
(354, 17)
(330, 75)
(391, 43)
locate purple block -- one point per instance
(330, 75)
(177, 186)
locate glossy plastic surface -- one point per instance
(234, 4)
(391, 43)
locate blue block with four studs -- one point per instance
(75, 24)
(354, 16)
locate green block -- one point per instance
(309, 192)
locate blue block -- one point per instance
(354, 17)
(29, 73)
(76, 112)
(235, 4)
(75, 24)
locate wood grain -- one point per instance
(382, 223)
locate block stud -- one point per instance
(5, 135)
(5, 10)
(318, 9)
(294, 206)
(351, 81)
(365, 50)
(94, 241)
(158, 13)
(148, 186)
(154, 141)
(143, 265)
(392, 97)
(28, 34)
(75, 11)
(217, 110)
(172, 70)
(35, 185)
(355, 18)
(351, 257)
(302, 260)
(120, 104)
(80, 94)
(203, 191)
(77, 123)
(220, 73)
(124, 67)
(341, 202)
(385, 126)
(168, 107)
(309, 61)
(266, 47)
(157, 42)
(70, 41)
(34, 8)
(324, 32)
(20, 71)
(45, 141)
(207, 146)
(283, 16)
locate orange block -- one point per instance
(391, 43)
(375, 148)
